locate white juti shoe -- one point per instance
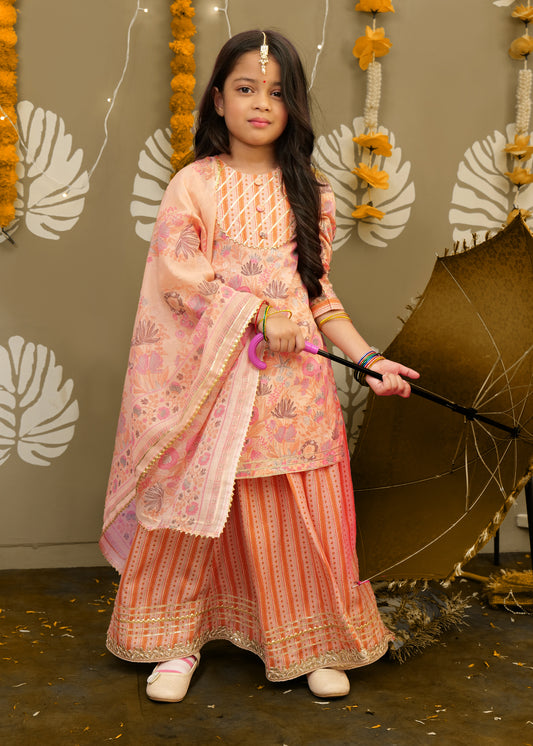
(328, 682)
(168, 682)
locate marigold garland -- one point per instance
(373, 144)
(8, 114)
(520, 149)
(183, 67)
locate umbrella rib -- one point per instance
(485, 386)
(473, 306)
(467, 476)
(505, 370)
(437, 538)
(422, 480)
(510, 389)
(475, 311)
(492, 473)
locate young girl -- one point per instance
(243, 526)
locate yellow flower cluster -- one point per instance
(375, 6)
(520, 149)
(8, 114)
(183, 67)
(373, 44)
(373, 144)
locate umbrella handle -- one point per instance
(308, 347)
(252, 351)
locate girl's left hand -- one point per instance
(392, 382)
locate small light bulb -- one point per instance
(108, 100)
(319, 46)
(65, 194)
(216, 8)
(145, 10)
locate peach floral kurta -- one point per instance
(296, 421)
(195, 413)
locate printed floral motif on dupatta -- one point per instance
(189, 387)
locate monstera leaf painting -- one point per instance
(151, 181)
(37, 410)
(51, 183)
(483, 196)
(336, 155)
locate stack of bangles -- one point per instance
(335, 315)
(367, 361)
(267, 311)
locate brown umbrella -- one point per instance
(432, 485)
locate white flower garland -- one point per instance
(523, 101)
(373, 96)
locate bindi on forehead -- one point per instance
(254, 81)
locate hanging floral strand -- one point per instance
(520, 149)
(372, 144)
(183, 67)
(8, 114)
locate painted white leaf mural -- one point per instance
(150, 183)
(37, 411)
(483, 196)
(336, 155)
(51, 184)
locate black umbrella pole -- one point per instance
(469, 412)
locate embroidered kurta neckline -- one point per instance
(252, 209)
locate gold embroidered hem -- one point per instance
(343, 660)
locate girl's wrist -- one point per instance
(268, 311)
(369, 359)
(258, 315)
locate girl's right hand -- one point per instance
(283, 334)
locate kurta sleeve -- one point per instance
(327, 301)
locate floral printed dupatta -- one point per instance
(189, 388)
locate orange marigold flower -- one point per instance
(372, 44)
(521, 47)
(520, 148)
(523, 12)
(520, 176)
(182, 8)
(375, 6)
(8, 15)
(7, 212)
(377, 143)
(373, 176)
(182, 46)
(367, 211)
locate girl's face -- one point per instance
(252, 105)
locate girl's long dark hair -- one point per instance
(293, 148)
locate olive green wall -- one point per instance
(70, 283)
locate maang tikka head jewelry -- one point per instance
(263, 54)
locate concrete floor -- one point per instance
(59, 686)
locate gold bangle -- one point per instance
(281, 310)
(338, 315)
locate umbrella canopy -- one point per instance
(432, 486)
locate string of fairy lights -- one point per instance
(111, 100)
(139, 9)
